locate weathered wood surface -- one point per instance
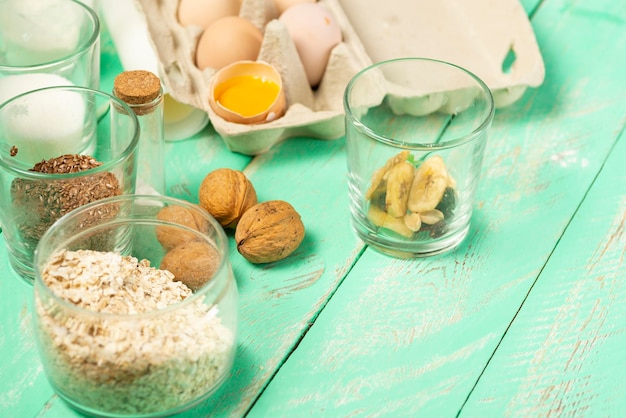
(413, 337)
(523, 319)
(563, 354)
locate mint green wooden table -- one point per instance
(526, 318)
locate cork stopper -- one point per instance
(136, 88)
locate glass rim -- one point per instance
(221, 242)
(417, 146)
(82, 47)
(7, 164)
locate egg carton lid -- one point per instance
(491, 38)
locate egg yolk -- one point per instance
(247, 95)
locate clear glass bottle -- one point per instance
(142, 91)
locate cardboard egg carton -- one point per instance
(316, 113)
(493, 39)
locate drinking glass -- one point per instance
(416, 131)
(46, 43)
(60, 148)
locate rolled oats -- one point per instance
(107, 361)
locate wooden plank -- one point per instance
(23, 386)
(564, 353)
(279, 301)
(188, 162)
(402, 337)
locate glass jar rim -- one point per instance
(221, 245)
(460, 140)
(106, 166)
(84, 46)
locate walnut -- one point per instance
(227, 194)
(193, 263)
(171, 236)
(269, 231)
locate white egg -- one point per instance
(315, 33)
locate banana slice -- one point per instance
(399, 180)
(429, 184)
(379, 174)
(383, 219)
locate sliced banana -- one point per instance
(399, 180)
(379, 174)
(429, 184)
(383, 219)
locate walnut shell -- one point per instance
(194, 263)
(226, 194)
(269, 231)
(170, 236)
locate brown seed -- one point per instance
(43, 201)
(269, 231)
(68, 163)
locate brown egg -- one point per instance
(228, 40)
(247, 92)
(204, 12)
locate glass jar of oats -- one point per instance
(135, 306)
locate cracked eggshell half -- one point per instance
(247, 92)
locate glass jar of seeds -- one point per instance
(135, 313)
(60, 148)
